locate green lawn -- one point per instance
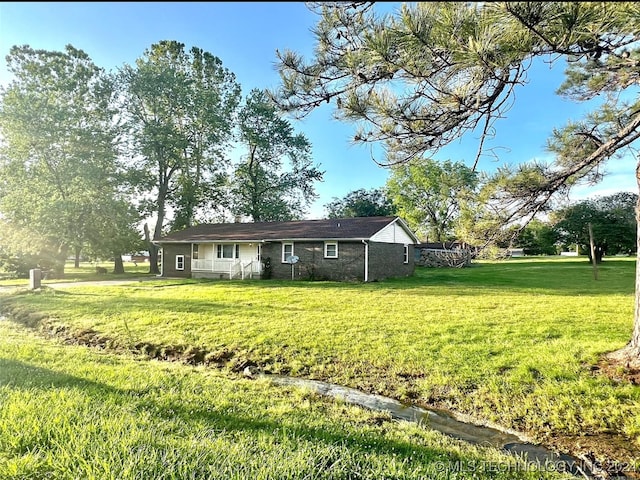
(85, 272)
(509, 342)
(70, 412)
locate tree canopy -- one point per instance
(60, 178)
(361, 203)
(430, 194)
(417, 80)
(276, 178)
(180, 107)
(612, 220)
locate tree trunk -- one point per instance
(77, 259)
(634, 345)
(153, 249)
(153, 259)
(599, 252)
(153, 252)
(157, 231)
(118, 266)
(630, 355)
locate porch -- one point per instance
(228, 269)
(226, 260)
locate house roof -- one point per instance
(359, 228)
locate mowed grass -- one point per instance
(509, 342)
(86, 271)
(72, 412)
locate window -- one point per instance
(287, 251)
(179, 262)
(330, 249)
(406, 254)
(194, 255)
(228, 250)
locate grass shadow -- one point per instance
(21, 375)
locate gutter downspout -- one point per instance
(366, 261)
(161, 252)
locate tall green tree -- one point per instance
(612, 220)
(58, 158)
(429, 195)
(180, 106)
(361, 203)
(421, 78)
(275, 180)
(538, 238)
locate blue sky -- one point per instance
(245, 35)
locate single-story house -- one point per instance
(360, 249)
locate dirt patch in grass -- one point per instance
(599, 451)
(618, 370)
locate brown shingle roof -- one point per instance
(340, 228)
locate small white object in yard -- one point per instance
(248, 372)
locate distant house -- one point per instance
(136, 257)
(360, 249)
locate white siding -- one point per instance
(393, 233)
(205, 251)
(248, 252)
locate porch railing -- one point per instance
(235, 268)
(250, 268)
(211, 265)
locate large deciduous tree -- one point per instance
(423, 77)
(429, 195)
(275, 179)
(612, 220)
(538, 238)
(180, 106)
(58, 158)
(361, 203)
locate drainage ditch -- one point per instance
(439, 420)
(446, 423)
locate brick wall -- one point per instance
(169, 252)
(313, 266)
(386, 261)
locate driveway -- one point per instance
(87, 283)
(95, 283)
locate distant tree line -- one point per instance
(612, 218)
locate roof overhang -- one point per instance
(406, 228)
(230, 240)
